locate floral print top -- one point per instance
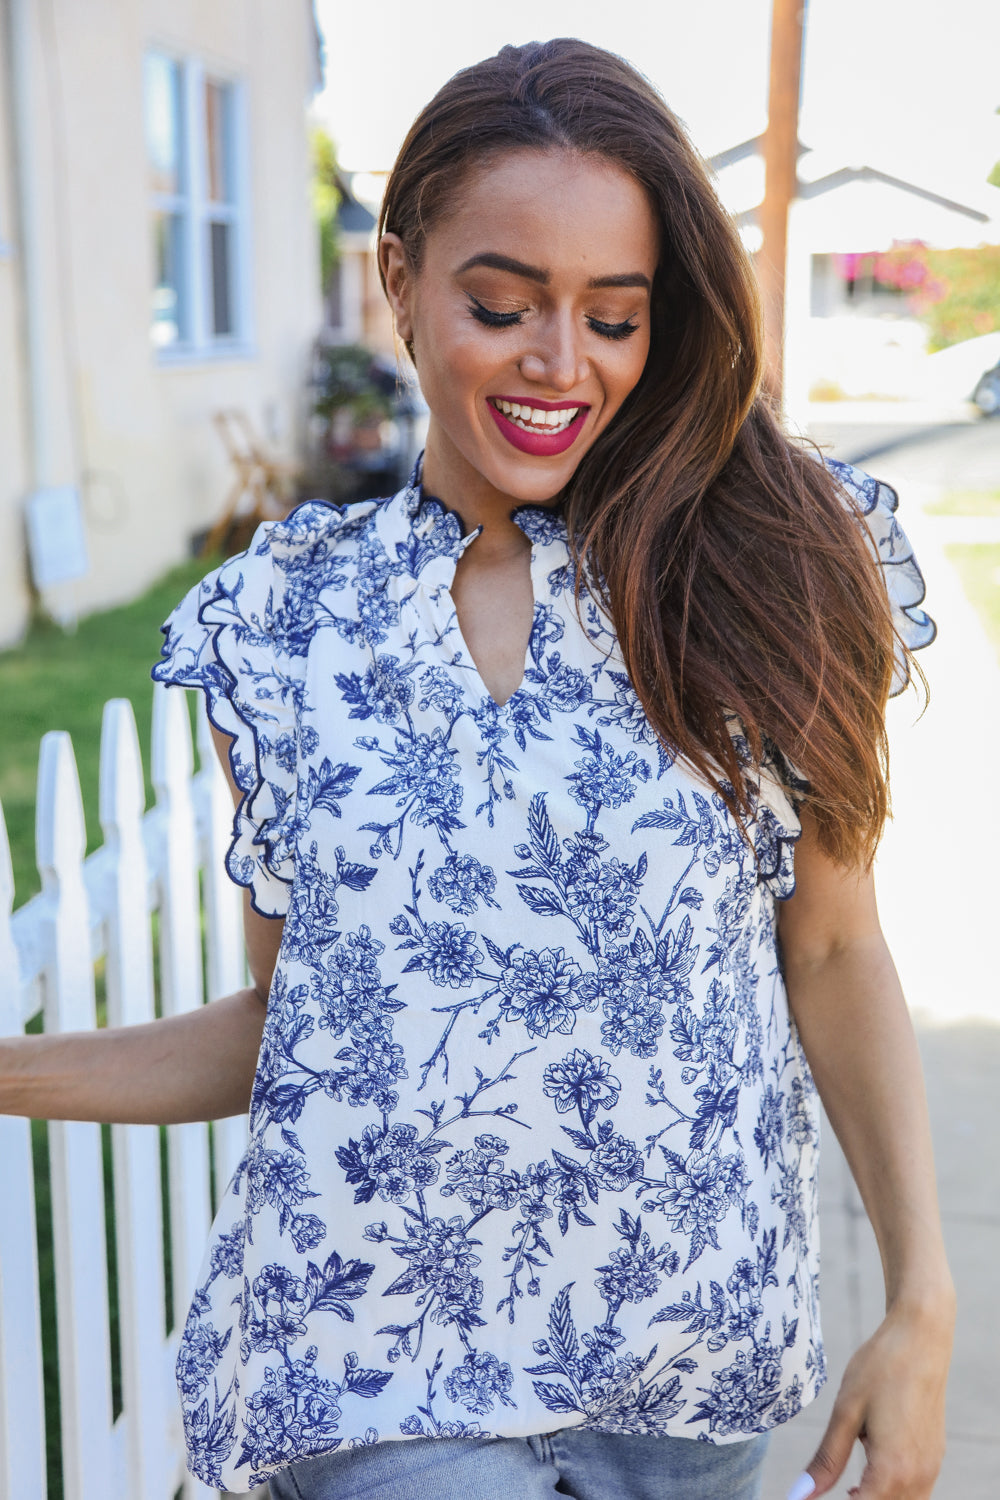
(532, 1141)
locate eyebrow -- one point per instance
(496, 262)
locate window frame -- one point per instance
(197, 212)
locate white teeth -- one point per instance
(533, 417)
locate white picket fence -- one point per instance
(168, 861)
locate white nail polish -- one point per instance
(802, 1488)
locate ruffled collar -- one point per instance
(425, 540)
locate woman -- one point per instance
(558, 779)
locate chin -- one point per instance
(527, 484)
(542, 490)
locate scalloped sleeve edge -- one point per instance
(877, 503)
(218, 641)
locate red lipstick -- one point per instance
(539, 444)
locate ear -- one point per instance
(395, 266)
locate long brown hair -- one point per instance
(737, 577)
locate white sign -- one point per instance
(57, 544)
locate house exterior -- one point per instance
(844, 338)
(158, 262)
(357, 311)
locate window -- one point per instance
(164, 137)
(193, 142)
(221, 204)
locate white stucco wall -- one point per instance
(14, 594)
(132, 431)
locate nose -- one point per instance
(556, 358)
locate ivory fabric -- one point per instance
(533, 1143)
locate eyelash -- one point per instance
(491, 319)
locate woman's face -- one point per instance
(530, 320)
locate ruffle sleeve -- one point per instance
(241, 636)
(877, 502)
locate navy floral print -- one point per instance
(532, 1139)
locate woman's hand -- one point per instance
(856, 1033)
(892, 1399)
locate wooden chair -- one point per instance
(262, 487)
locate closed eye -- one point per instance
(491, 319)
(613, 330)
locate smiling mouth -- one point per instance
(543, 421)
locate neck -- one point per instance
(462, 489)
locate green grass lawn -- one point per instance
(977, 564)
(967, 503)
(978, 567)
(58, 681)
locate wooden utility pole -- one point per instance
(781, 140)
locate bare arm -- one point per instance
(195, 1066)
(856, 1033)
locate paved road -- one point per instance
(938, 894)
(958, 455)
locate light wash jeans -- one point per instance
(570, 1462)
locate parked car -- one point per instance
(987, 392)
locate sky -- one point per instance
(912, 89)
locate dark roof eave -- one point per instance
(845, 175)
(354, 218)
(753, 147)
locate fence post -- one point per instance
(226, 957)
(75, 1148)
(138, 1214)
(181, 985)
(22, 1413)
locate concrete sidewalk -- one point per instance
(938, 893)
(962, 1063)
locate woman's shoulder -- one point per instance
(865, 491)
(318, 521)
